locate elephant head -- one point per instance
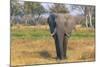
(65, 23)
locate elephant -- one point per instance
(61, 26)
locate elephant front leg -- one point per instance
(65, 41)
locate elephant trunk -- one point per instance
(60, 42)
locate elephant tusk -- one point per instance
(68, 34)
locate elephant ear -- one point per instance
(69, 25)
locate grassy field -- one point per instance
(34, 45)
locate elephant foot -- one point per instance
(65, 56)
(60, 58)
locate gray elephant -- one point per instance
(61, 26)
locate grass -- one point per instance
(34, 33)
(34, 45)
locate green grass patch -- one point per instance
(33, 33)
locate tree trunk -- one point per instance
(37, 19)
(90, 20)
(86, 23)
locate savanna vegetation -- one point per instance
(34, 45)
(31, 41)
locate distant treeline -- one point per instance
(33, 13)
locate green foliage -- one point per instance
(29, 8)
(33, 8)
(59, 8)
(14, 7)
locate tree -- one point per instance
(35, 9)
(58, 8)
(16, 8)
(89, 14)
